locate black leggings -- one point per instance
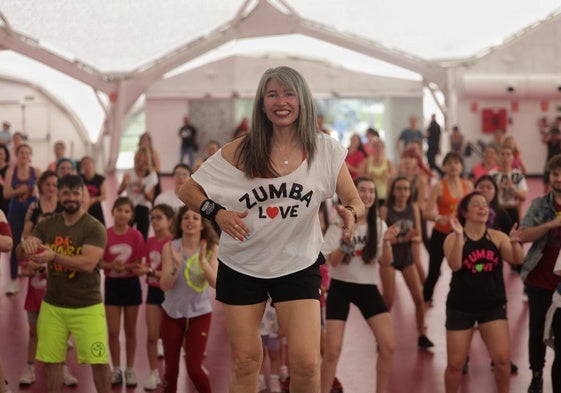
(539, 301)
(142, 220)
(436, 255)
(556, 366)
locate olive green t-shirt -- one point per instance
(66, 287)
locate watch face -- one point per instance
(207, 207)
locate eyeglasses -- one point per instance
(157, 217)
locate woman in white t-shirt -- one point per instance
(140, 183)
(264, 191)
(353, 280)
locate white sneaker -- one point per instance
(28, 375)
(283, 372)
(69, 344)
(116, 377)
(130, 378)
(261, 385)
(152, 381)
(67, 378)
(13, 288)
(275, 384)
(160, 348)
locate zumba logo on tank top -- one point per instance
(481, 260)
(194, 274)
(264, 194)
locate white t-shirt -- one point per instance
(356, 271)
(169, 198)
(506, 194)
(134, 192)
(285, 235)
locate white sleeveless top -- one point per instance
(285, 234)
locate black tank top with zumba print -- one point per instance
(479, 284)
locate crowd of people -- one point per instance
(340, 219)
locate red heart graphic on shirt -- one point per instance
(272, 211)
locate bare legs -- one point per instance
(382, 328)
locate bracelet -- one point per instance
(209, 208)
(151, 272)
(353, 212)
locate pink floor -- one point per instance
(414, 370)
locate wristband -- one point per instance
(209, 208)
(353, 212)
(347, 248)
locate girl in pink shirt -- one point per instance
(161, 217)
(121, 259)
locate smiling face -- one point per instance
(367, 192)
(280, 104)
(191, 223)
(477, 210)
(71, 199)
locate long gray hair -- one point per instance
(253, 153)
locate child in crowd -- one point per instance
(123, 294)
(161, 217)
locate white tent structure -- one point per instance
(111, 54)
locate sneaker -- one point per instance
(160, 348)
(513, 367)
(275, 386)
(69, 344)
(28, 375)
(536, 386)
(261, 385)
(130, 378)
(424, 342)
(116, 377)
(13, 288)
(283, 372)
(152, 381)
(285, 385)
(336, 387)
(67, 378)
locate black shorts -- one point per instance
(154, 296)
(122, 291)
(235, 288)
(464, 320)
(365, 296)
